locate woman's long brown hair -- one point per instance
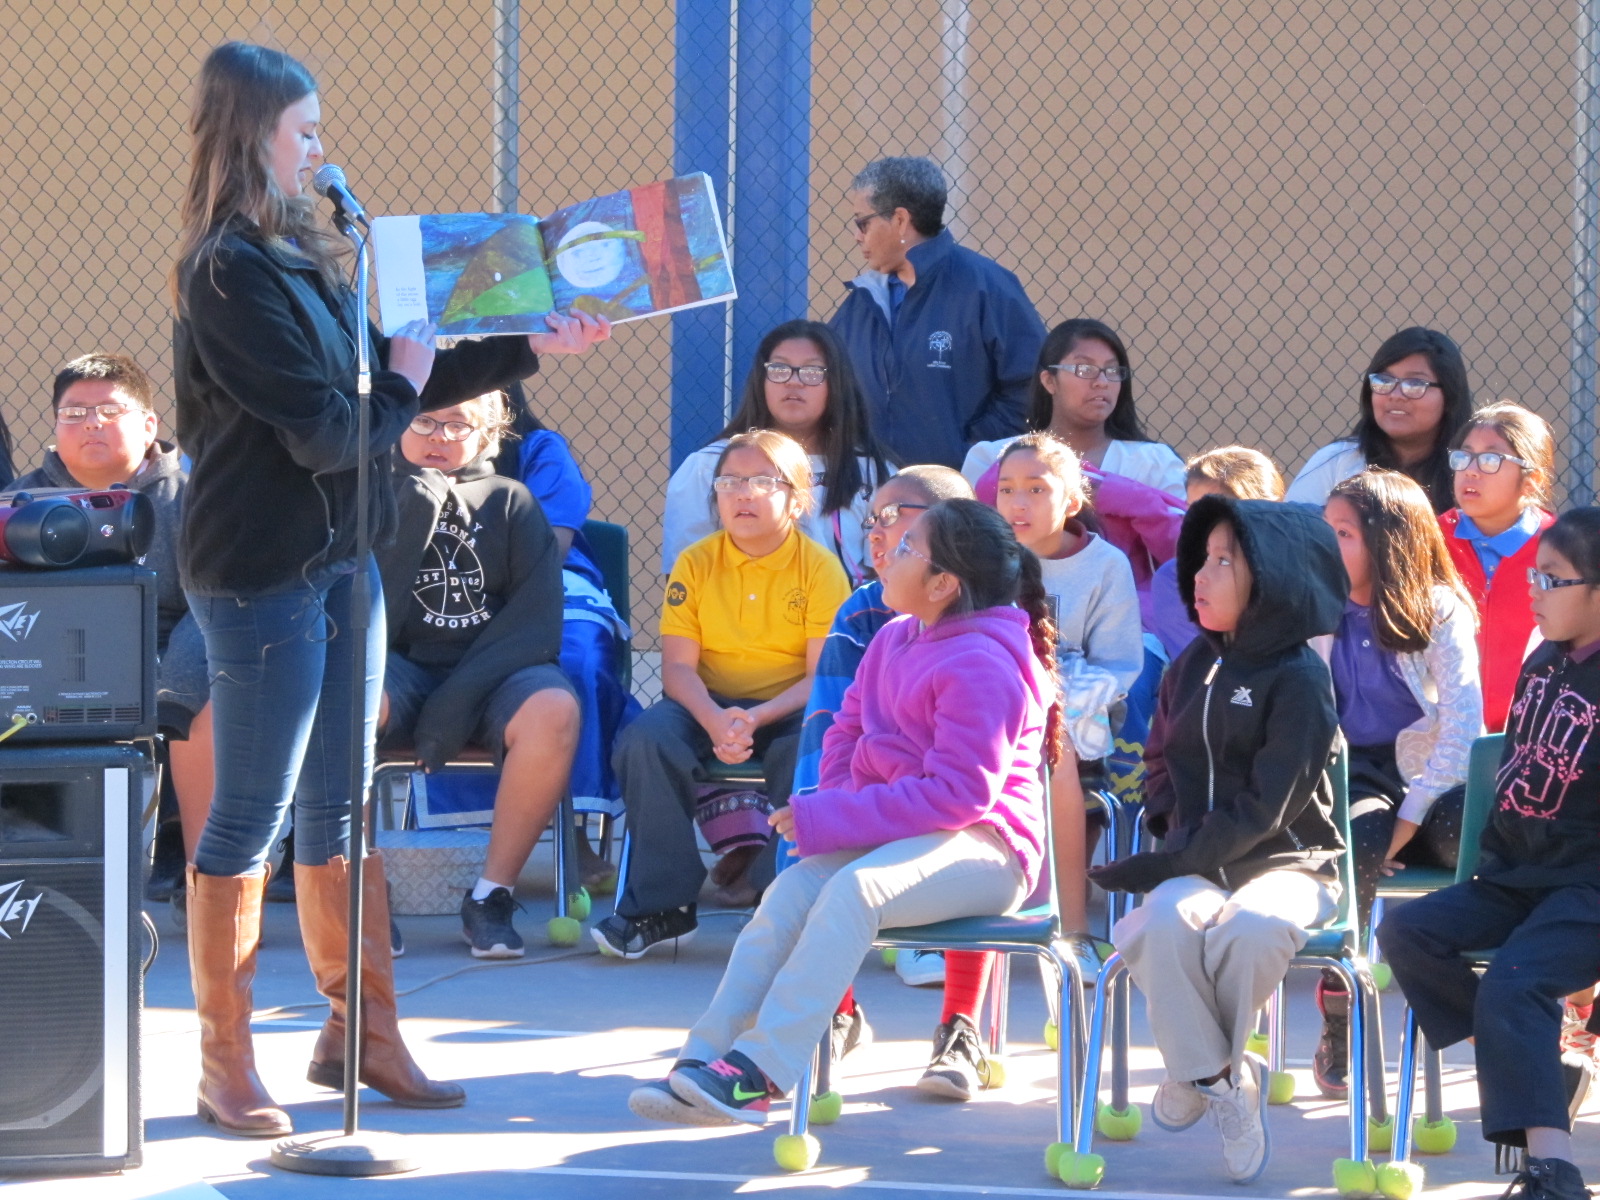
(239, 99)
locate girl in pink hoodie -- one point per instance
(930, 808)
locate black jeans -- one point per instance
(1547, 943)
(1376, 791)
(657, 760)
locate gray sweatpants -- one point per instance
(1206, 960)
(816, 922)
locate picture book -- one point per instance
(649, 250)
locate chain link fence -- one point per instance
(1253, 194)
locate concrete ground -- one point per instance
(549, 1048)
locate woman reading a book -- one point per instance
(265, 372)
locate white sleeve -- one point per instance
(686, 516)
(1323, 471)
(1451, 660)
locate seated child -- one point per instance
(105, 427)
(1501, 465)
(472, 592)
(1237, 788)
(1535, 896)
(929, 808)
(1236, 471)
(1405, 681)
(745, 616)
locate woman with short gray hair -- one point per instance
(943, 339)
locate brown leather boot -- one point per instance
(323, 896)
(224, 931)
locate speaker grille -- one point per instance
(51, 1019)
(100, 714)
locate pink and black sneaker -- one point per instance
(731, 1087)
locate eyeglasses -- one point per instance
(1488, 460)
(454, 431)
(859, 224)
(1411, 389)
(76, 415)
(1116, 374)
(778, 372)
(760, 485)
(1546, 583)
(904, 549)
(887, 516)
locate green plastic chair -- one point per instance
(1433, 1132)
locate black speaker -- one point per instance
(71, 990)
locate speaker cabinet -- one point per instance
(71, 990)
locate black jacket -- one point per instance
(265, 374)
(956, 365)
(164, 482)
(1545, 827)
(513, 564)
(1236, 762)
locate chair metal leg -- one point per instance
(622, 861)
(1277, 1030)
(1113, 973)
(1364, 999)
(999, 1001)
(1405, 1088)
(1121, 1039)
(566, 851)
(1432, 1083)
(800, 1106)
(1374, 954)
(608, 825)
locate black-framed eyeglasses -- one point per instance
(760, 485)
(859, 224)
(454, 431)
(1088, 371)
(888, 516)
(1546, 583)
(782, 372)
(1488, 460)
(1411, 389)
(74, 414)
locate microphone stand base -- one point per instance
(350, 1155)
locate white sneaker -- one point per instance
(1178, 1104)
(1238, 1108)
(920, 968)
(1089, 962)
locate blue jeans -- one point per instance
(279, 666)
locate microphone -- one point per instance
(329, 181)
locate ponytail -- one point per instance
(1035, 601)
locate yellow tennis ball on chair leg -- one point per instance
(796, 1152)
(1399, 1180)
(1354, 1179)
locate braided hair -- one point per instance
(975, 544)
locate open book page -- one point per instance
(652, 249)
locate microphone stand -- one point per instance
(354, 1153)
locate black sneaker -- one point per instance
(634, 937)
(1330, 1065)
(486, 925)
(656, 1101)
(732, 1087)
(849, 1032)
(959, 1066)
(1547, 1179)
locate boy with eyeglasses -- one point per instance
(105, 436)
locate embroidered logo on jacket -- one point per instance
(1550, 736)
(1241, 697)
(940, 343)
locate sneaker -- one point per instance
(732, 1087)
(1330, 1065)
(1087, 952)
(920, 968)
(486, 925)
(634, 937)
(397, 944)
(1238, 1108)
(959, 1066)
(656, 1101)
(1178, 1104)
(1547, 1179)
(848, 1032)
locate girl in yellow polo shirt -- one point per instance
(746, 613)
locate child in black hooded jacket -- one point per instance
(1237, 788)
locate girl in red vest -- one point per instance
(1502, 463)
